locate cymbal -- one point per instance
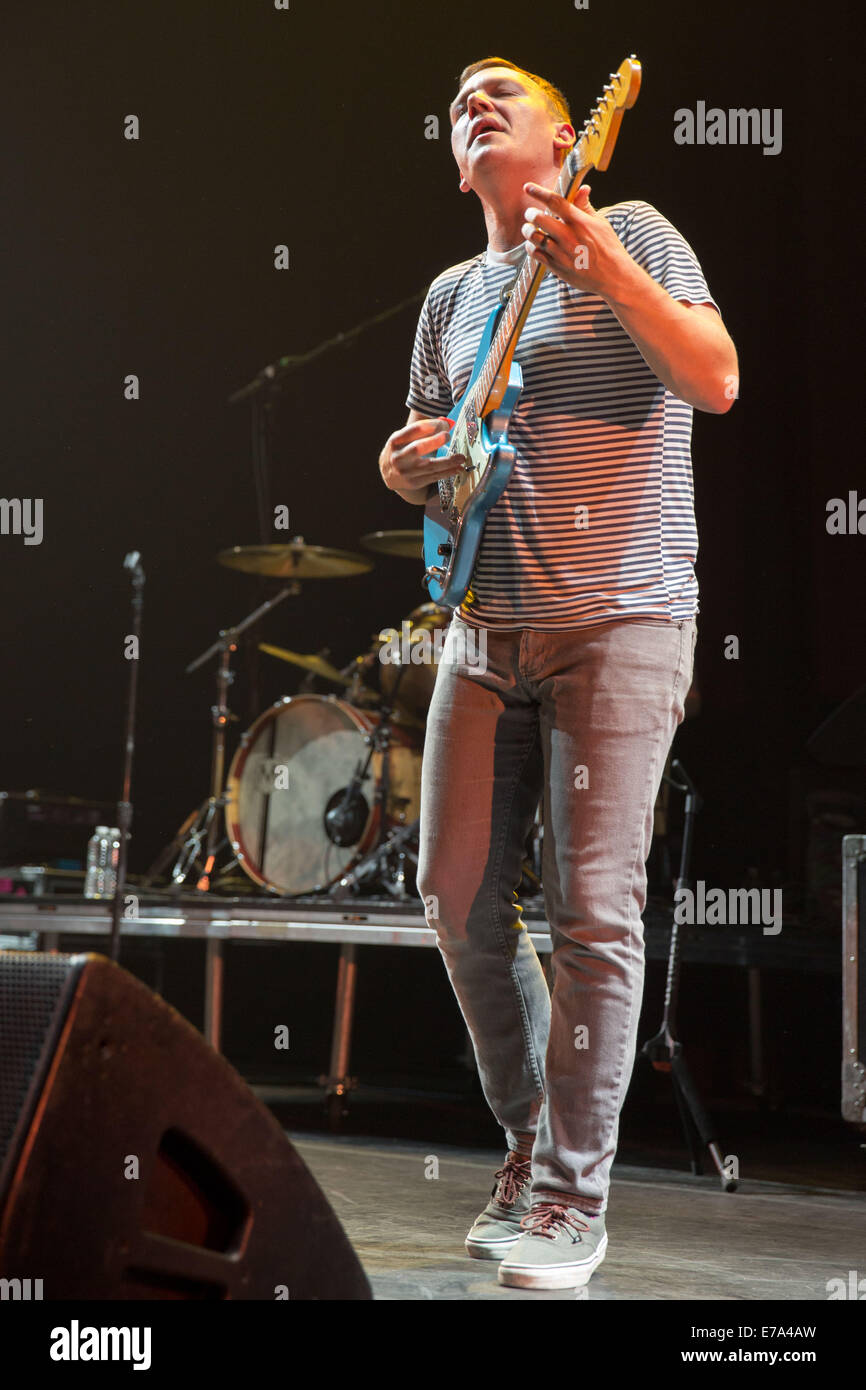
(297, 560)
(309, 662)
(405, 544)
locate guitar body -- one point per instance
(455, 513)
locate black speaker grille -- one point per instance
(35, 992)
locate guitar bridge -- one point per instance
(432, 572)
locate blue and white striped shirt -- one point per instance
(597, 520)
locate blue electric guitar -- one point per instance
(457, 507)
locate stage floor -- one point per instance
(671, 1236)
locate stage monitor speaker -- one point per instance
(854, 979)
(135, 1163)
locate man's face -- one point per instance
(499, 118)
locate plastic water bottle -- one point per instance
(103, 853)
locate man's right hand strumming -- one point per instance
(406, 464)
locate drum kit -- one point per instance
(322, 795)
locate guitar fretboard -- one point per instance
(525, 287)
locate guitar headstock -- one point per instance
(595, 142)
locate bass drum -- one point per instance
(292, 767)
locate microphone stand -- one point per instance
(262, 392)
(271, 379)
(664, 1051)
(132, 562)
(274, 374)
(225, 644)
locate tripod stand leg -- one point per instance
(165, 856)
(692, 1110)
(338, 1082)
(690, 1134)
(213, 991)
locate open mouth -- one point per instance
(483, 128)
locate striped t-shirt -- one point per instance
(597, 520)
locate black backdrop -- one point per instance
(306, 127)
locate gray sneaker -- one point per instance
(560, 1249)
(498, 1227)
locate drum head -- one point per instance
(293, 764)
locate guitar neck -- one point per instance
(492, 379)
(592, 150)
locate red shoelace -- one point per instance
(511, 1179)
(547, 1219)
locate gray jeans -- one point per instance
(586, 718)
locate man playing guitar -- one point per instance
(585, 594)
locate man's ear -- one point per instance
(464, 186)
(564, 137)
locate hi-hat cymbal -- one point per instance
(297, 560)
(405, 544)
(309, 662)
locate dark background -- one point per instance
(306, 127)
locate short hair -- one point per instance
(555, 98)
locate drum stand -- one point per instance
(376, 868)
(663, 1050)
(201, 829)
